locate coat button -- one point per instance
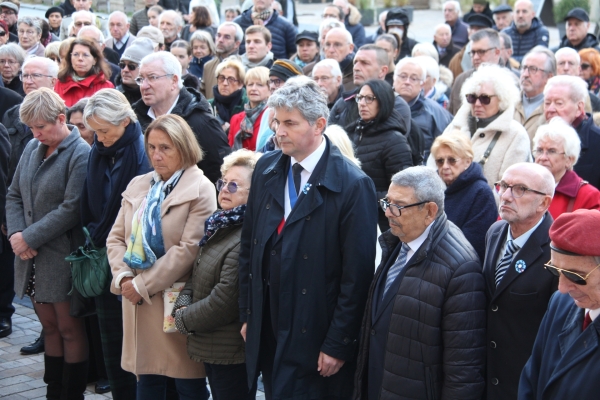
(250, 276)
(305, 256)
(493, 344)
(303, 330)
(248, 311)
(268, 206)
(308, 218)
(372, 332)
(482, 135)
(494, 307)
(495, 381)
(303, 291)
(273, 252)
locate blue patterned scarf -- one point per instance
(222, 219)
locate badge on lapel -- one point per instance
(520, 266)
(306, 188)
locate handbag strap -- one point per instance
(88, 238)
(488, 151)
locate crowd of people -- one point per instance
(236, 176)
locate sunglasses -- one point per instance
(232, 187)
(2, 34)
(585, 66)
(131, 67)
(484, 99)
(572, 276)
(452, 161)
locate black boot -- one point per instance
(74, 380)
(53, 375)
(36, 347)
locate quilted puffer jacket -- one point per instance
(282, 31)
(213, 316)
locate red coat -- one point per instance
(570, 187)
(234, 128)
(71, 92)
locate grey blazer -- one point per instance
(43, 203)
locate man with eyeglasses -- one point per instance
(565, 360)
(328, 75)
(423, 330)
(568, 62)
(71, 10)
(338, 46)
(517, 287)
(10, 15)
(95, 36)
(537, 67)
(227, 42)
(129, 66)
(163, 93)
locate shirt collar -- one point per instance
(521, 240)
(593, 313)
(416, 243)
(124, 39)
(151, 111)
(310, 162)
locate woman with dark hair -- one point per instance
(83, 72)
(381, 148)
(199, 20)
(229, 93)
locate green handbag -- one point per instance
(90, 271)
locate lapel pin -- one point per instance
(520, 266)
(306, 188)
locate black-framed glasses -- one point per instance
(411, 78)
(230, 80)
(2, 34)
(275, 82)
(480, 53)
(451, 161)
(531, 69)
(517, 190)
(368, 98)
(550, 152)
(232, 187)
(395, 209)
(23, 77)
(570, 275)
(585, 65)
(484, 99)
(131, 67)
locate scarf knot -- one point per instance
(259, 18)
(222, 219)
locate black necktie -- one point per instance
(297, 170)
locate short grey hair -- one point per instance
(410, 61)
(204, 37)
(31, 21)
(550, 64)
(508, 44)
(92, 28)
(13, 50)
(426, 183)
(567, 51)
(501, 79)
(118, 14)
(391, 39)
(344, 31)
(177, 17)
(329, 23)
(488, 33)
(239, 32)
(578, 91)
(50, 66)
(82, 13)
(440, 26)
(333, 65)
(456, 5)
(110, 105)
(426, 49)
(169, 62)
(559, 130)
(431, 67)
(303, 94)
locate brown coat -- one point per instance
(534, 121)
(146, 348)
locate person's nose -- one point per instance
(564, 285)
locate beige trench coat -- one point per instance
(146, 348)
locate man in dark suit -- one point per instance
(7, 272)
(518, 289)
(307, 254)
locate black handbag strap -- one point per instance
(488, 151)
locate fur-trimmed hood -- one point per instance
(354, 15)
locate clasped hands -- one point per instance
(128, 290)
(21, 248)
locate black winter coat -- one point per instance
(590, 42)
(451, 50)
(19, 135)
(588, 165)
(436, 342)
(194, 108)
(4, 156)
(282, 31)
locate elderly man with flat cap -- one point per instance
(565, 362)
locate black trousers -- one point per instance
(229, 382)
(7, 278)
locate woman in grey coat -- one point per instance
(43, 221)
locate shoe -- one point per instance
(102, 386)
(34, 348)
(5, 327)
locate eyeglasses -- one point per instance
(585, 66)
(550, 153)
(480, 53)
(531, 69)
(411, 78)
(517, 190)
(275, 82)
(394, 209)
(368, 99)
(81, 23)
(570, 275)
(151, 79)
(2, 33)
(25, 77)
(7, 12)
(131, 67)
(232, 187)
(79, 55)
(484, 99)
(27, 33)
(9, 62)
(230, 80)
(451, 161)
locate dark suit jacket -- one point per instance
(8, 99)
(516, 307)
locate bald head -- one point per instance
(524, 14)
(568, 62)
(338, 44)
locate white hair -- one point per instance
(120, 14)
(456, 5)
(170, 64)
(567, 51)
(560, 131)
(83, 13)
(431, 67)
(178, 18)
(344, 31)
(333, 65)
(383, 16)
(426, 49)
(410, 61)
(329, 23)
(502, 81)
(440, 26)
(239, 32)
(50, 66)
(92, 28)
(578, 88)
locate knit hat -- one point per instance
(152, 33)
(285, 69)
(53, 10)
(576, 233)
(138, 49)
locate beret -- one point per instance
(53, 10)
(576, 233)
(481, 20)
(502, 8)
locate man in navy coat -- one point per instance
(307, 254)
(565, 363)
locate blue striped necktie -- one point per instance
(511, 249)
(396, 268)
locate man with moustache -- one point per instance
(517, 287)
(170, 23)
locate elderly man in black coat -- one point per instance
(423, 332)
(7, 270)
(307, 255)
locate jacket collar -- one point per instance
(569, 184)
(502, 123)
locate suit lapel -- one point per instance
(497, 240)
(380, 303)
(275, 186)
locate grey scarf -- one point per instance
(249, 64)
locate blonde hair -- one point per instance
(456, 142)
(180, 134)
(340, 139)
(42, 104)
(233, 64)
(260, 74)
(240, 158)
(53, 49)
